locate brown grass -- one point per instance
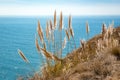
(23, 56)
(55, 20)
(71, 32)
(51, 25)
(104, 29)
(61, 21)
(87, 28)
(67, 34)
(96, 59)
(47, 30)
(70, 21)
(40, 32)
(37, 45)
(46, 53)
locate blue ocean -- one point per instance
(19, 33)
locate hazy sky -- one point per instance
(47, 7)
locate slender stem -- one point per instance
(87, 36)
(74, 43)
(41, 58)
(61, 43)
(54, 41)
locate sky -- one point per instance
(47, 7)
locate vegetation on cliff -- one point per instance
(96, 59)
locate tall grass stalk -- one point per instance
(23, 56)
(55, 20)
(40, 32)
(68, 38)
(48, 42)
(87, 30)
(60, 29)
(71, 30)
(25, 59)
(38, 49)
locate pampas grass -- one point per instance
(104, 29)
(60, 29)
(37, 45)
(87, 28)
(55, 20)
(23, 56)
(85, 62)
(40, 32)
(71, 32)
(67, 34)
(61, 21)
(51, 25)
(70, 26)
(55, 58)
(70, 21)
(47, 30)
(46, 54)
(49, 55)
(44, 45)
(71, 29)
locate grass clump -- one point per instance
(96, 59)
(44, 41)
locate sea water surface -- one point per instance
(19, 33)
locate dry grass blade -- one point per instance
(22, 56)
(46, 54)
(47, 30)
(61, 21)
(51, 25)
(109, 32)
(44, 45)
(104, 29)
(70, 21)
(40, 33)
(37, 45)
(55, 20)
(71, 32)
(56, 58)
(49, 55)
(87, 27)
(67, 34)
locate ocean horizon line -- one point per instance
(30, 16)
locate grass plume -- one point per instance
(87, 28)
(40, 32)
(67, 34)
(55, 19)
(70, 21)
(47, 30)
(51, 25)
(61, 21)
(97, 58)
(104, 28)
(71, 29)
(37, 45)
(23, 56)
